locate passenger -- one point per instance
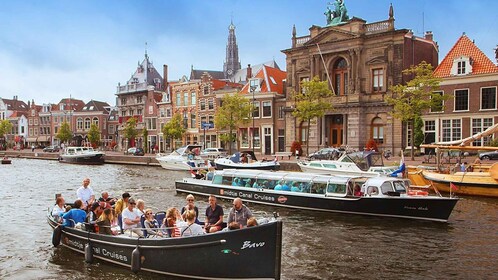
(285, 186)
(234, 226)
(122, 203)
(239, 213)
(256, 185)
(151, 225)
(190, 206)
(171, 222)
(214, 216)
(295, 187)
(252, 222)
(278, 187)
(244, 158)
(248, 183)
(105, 222)
(106, 201)
(75, 215)
(141, 206)
(93, 214)
(131, 219)
(235, 182)
(59, 208)
(357, 190)
(85, 193)
(191, 228)
(463, 167)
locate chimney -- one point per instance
(165, 77)
(429, 36)
(496, 53)
(249, 72)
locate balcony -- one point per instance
(130, 88)
(302, 40)
(378, 27)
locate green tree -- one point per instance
(65, 134)
(419, 133)
(174, 129)
(235, 111)
(410, 101)
(145, 134)
(5, 127)
(94, 135)
(311, 103)
(130, 129)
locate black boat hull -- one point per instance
(88, 159)
(426, 208)
(222, 255)
(275, 167)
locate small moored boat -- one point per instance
(249, 253)
(235, 162)
(6, 160)
(184, 158)
(81, 155)
(377, 196)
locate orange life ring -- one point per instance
(417, 193)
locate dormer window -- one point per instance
(461, 66)
(254, 85)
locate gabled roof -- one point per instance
(272, 80)
(95, 106)
(241, 74)
(221, 84)
(465, 47)
(196, 74)
(15, 105)
(145, 73)
(75, 104)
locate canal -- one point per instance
(315, 245)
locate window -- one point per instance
(193, 121)
(168, 113)
(266, 109)
(257, 139)
(111, 129)
(123, 101)
(378, 80)
(36, 121)
(461, 67)
(178, 99)
(162, 113)
(480, 125)
(95, 121)
(452, 130)
(87, 123)
(378, 130)
(340, 75)
(30, 132)
(206, 90)
(185, 98)
(139, 99)
(461, 100)
(254, 85)
(203, 104)
(255, 112)
(437, 104)
(79, 124)
(281, 112)
(193, 99)
(30, 121)
(203, 119)
(139, 112)
(488, 98)
(210, 104)
(244, 138)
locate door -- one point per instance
(267, 139)
(281, 140)
(336, 131)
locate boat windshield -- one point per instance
(399, 186)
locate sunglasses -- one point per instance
(148, 213)
(133, 204)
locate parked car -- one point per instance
(213, 153)
(135, 151)
(326, 153)
(51, 149)
(489, 155)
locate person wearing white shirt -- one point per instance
(85, 193)
(131, 219)
(59, 208)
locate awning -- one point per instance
(43, 138)
(31, 139)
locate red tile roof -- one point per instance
(273, 80)
(465, 47)
(219, 84)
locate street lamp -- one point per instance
(252, 89)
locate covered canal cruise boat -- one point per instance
(249, 253)
(377, 196)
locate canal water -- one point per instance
(315, 245)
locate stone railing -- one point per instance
(302, 40)
(378, 27)
(131, 88)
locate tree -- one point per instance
(174, 129)
(419, 133)
(130, 129)
(65, 134)
(311, 103)
(410, 101)
(235, 111)
(145, 134)
(94, 135)
(5, 127)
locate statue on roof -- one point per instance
(337, 16)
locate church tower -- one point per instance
(232, 63)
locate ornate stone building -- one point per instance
(232, 62)
(360, 61)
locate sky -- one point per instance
(54, 49)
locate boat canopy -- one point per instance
(186, 149)
(364, 160)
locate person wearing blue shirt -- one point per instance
(285, 186)
(278, 187)
(75, 215)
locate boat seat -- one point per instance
(142, 225)
(160, 217)
(120, 223)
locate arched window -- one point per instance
(95, 121)
(378, 130)
(340, 77)
(79, 124)
(87, 123)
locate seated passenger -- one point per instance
(191, 228)
(151, 225)
(131, 219)
(190, 206)
(239, 213)
(106, 201)
(295, 187)
(59, 208)
(285, 187)
(235, 182)
(122, 203)
(357, 190)
(75, 215)
(214, 216)
(278, 187)
(252, 222)
(141, 206)
(172, 222)
(93, 215)
(105, 222)
(234, 226)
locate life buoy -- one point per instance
(56, 236)
(417, 193)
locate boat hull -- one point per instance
(222, 255)
(83, 159)
(259, 166)
(423, 208)
(179, 165)
(6, 161)
(470, 183)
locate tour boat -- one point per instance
(235, 162)
(366, 164)
(6, 160)
(81, 155)
(380, 196)
(248, 253)
(184, 158)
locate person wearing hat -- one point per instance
(122, 203)
(131, 219)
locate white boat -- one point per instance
(184, 158)
(235, 162)
(81, 155)
(365, 164)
